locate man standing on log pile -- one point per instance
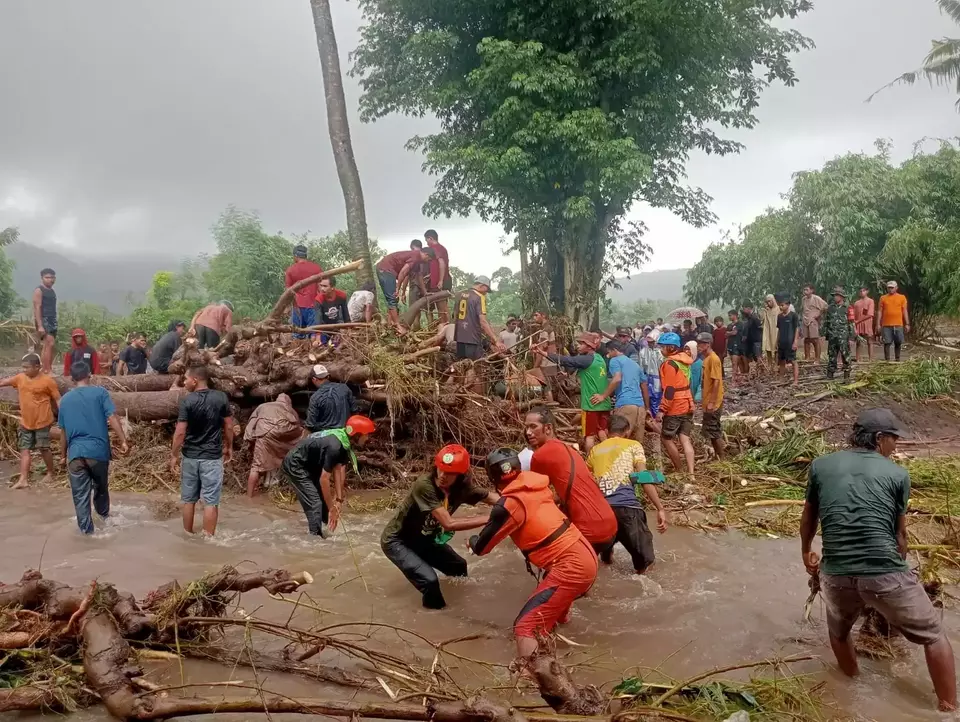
(213, 321)
(472, 326)
(331, 404)
(38, 397)
(592, 371)
(302, 314)
(133, 359)
(45, 317)
(204, 434)
(417, 538)
(836, 329)
(860, 498)
(580, 497)
(80, 351)
(164, 349)
(86, 416)
(526, 512)
(440, 279)
(392, 271)
(273, 429)
(311, 464)
(416, 281)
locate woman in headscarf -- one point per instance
(768, 317)
(650, 359)
(696, 370)
(272, 431)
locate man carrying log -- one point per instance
(303, 313)
(86, 416)
(204, 435)
(320, 458)
(860, 498)
(213, 321)
(417, 538)
(392, 271)
(331, 404)
(527, 514)
(580, 497)
(273, 429)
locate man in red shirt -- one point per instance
(580, 496)
(392, 271)
(302, 314)
(440, 279)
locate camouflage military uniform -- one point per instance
(838, 332)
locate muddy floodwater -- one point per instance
(712, 600)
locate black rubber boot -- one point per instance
(830, 375)
(846, 374)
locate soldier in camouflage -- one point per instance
(837, 330)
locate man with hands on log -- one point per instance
(314, 462)
(417, 538)
(527, 513)
(204, 435)
(87, 415)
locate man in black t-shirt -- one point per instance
(788, 337)
(320, 458)
(752, 335)
(133, 359)
(204, 436)
(164, 349)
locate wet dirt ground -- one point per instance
(712, 600)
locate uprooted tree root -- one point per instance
(67, 647)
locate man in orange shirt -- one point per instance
(676, 408)
(39, 397)
(893, 321)
(864, 315)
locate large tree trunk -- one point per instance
(141, 382)
(339, 128)
(149, 405)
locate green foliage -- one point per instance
(942, 64)
(9, 301)
(161, 289)
(857, 221)
(556, 116)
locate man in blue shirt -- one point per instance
(86, 415)
(628, 384)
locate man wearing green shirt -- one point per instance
(860, 498)
(591, 369)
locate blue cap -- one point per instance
(669, 339)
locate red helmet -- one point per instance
(360, 425)
(453, 458)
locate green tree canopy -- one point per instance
(557, 116)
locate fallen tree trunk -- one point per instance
(417, 307)
(287, 297)
(149, 405)
(140, 382)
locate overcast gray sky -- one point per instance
(128, 125)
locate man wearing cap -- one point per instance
(712, 396)
(472, 323)
(331, 404)
(860, 499)
(592, 371)
(836, 329)
(302, 315)
(893, 320)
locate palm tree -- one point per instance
(942, 64)
(339, 129)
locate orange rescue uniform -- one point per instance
(527, 514)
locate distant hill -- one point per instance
(117, 284)
(654, 285)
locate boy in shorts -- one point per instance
(39, 397)
(788, 338)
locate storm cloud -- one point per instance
(129, 125)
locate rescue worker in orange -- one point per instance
(527, 514)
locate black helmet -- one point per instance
(503, 465)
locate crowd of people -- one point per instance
(564, 506)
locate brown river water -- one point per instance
(713, 600)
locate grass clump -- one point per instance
(788, 455)
(917, 378)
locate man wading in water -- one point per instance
(860, 498)
(38, 397)
(417, 538)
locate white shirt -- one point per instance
(358, 303)
(525, 457)
(509, 338)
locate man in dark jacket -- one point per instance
(164, 349)
(331, 404)
(80, 351)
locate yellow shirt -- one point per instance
(712, 381)
(36, 411)
(612, 461)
